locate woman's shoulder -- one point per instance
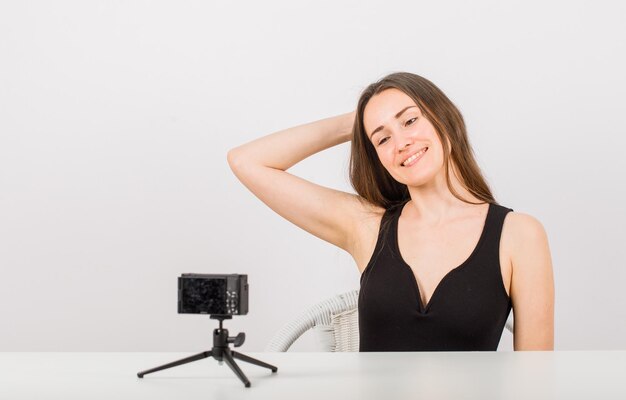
(522, 234)
(522, 224)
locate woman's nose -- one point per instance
(406, 142)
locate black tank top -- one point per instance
(466, 312)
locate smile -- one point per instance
(414, 158)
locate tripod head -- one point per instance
(220, 335)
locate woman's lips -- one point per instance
(414, 158)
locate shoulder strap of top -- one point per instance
(386, 223)
(499, 213)
(493, 230)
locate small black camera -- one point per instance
(221, 296)
(215, 294)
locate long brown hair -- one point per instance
(372, 181)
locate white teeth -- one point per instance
(414, 156)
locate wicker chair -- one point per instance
(335, 322)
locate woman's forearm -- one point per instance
(285, 148)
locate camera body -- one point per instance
(215, 294)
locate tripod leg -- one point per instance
(233, 365)
(186, 360)
(251, 360)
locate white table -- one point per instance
(386, 376)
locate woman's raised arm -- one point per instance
(261, 166)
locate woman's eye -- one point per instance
(411, 121)
(383, 140)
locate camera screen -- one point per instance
(203, 296)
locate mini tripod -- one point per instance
(221, 352)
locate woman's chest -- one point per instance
(433, 254)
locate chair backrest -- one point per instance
(320, 318)
(335, 322)
(345, 328)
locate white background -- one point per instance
(116, 117)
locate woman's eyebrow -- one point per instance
(396, 117)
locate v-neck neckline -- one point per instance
(422, 309)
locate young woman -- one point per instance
(442, 263)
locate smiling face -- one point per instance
(406, 142)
